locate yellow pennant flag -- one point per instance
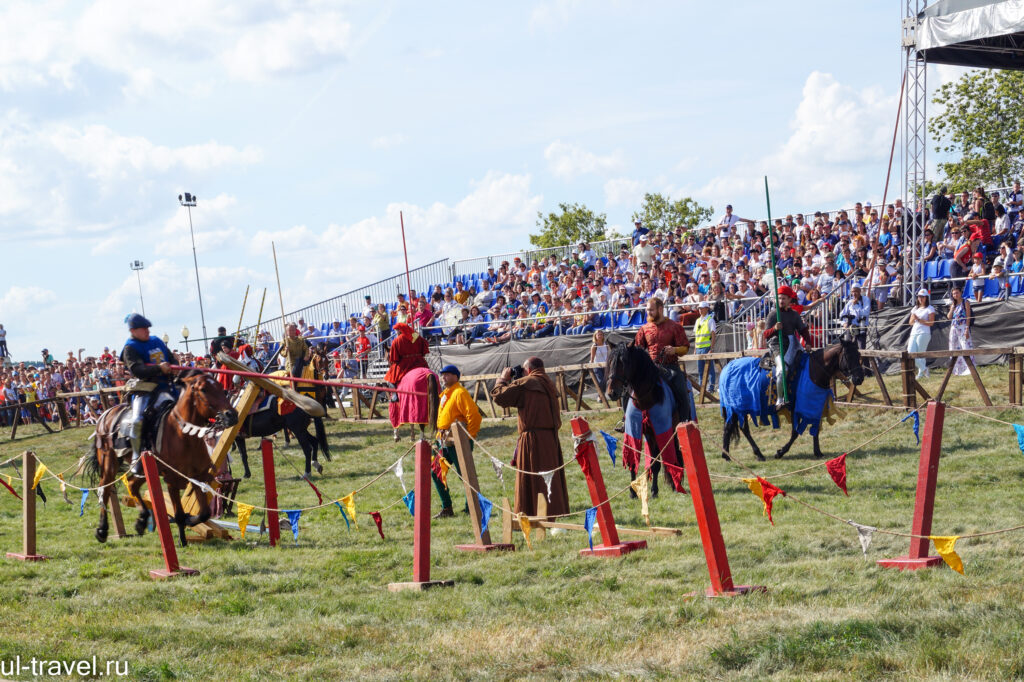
(63, 485)
(40, 472)
(639, 486)
(244, 512)
(445, 466)
(349, 502)
(755, 487)
(124, 479)
(945, 545)
(524, 525)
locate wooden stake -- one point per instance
(241, 315)
(277, 274)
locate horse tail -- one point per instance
(732, 429)
(433, 402)
(321, 437)
(89, 464)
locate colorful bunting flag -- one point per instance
(498, 466)
(836, 468)
(547, 476)
(675, 473)
(244, 512)
(639, 486)
(124, 479)
(376, 519)
(864, 534)
(945, 545)
(766, 491)
(583, 462)
(524, 525)
(610, 442)
(485, 512)
(348, 526)
(1020, 436)
(917, 424)
(349, 502)
(40, 472)
(444, 466)
(400, 471)
(410, 501)
(63, 488)
(81, 507)
(293, 521)
(7, 484)
(319, 497)
(588, 524)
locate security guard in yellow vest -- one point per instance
(703, 340)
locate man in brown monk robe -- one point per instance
(538, 448)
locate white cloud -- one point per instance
(624, 192)
(552, 14)
(298, 43)
(388, 141)
(568, 161)
(19, 299)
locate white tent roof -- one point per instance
(977, 33)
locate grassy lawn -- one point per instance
(320, 609)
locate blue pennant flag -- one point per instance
(344, 515)
(410, 501)
(485, 512)
(85, 496)
(610, 442)
(293, 521)
(588, 524)
(1020, 436)
(917, 425)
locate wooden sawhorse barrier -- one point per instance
(470, 483)
(707, 516)
(924, 502)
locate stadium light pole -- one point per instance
(189, 201)
(184, 335)
(137, 266)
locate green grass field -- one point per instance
(320, 609)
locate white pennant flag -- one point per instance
(498, 466)
(864, 535)
(547, 476)
(399, 471)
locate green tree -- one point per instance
(661, 213)
(574, 224)
(983, 124)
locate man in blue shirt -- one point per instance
(148, 359)
(638, 231)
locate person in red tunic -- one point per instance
(665, 341)
(407, 352)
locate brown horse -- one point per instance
(201, 404)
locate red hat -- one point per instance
(362, 328)
(979, 254)
(786, 290)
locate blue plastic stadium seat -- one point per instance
(943, 272)
(623, 319)
(931, 269)
(969, 288)
(991, 288)
(638, 318)
(1016, 286)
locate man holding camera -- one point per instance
(538, 449)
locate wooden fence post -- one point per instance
(156, 500)
(482, 538)
(28, 511)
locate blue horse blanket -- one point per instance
(746, 390)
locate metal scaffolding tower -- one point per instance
(915, 137)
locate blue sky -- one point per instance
(312, 124)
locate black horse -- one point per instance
(267, 422)
(840, 358)
(630, 369)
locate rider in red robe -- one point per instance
(408, 351)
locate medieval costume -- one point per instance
(538, 449)
(408, 351)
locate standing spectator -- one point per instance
(638, 231)
(704, 331)
(538, 448)
(3, 343)
(362, 350)
(977, 275)
(921, 319)
(940, 206)
(855, 314)
(960, 327)
(456, 406)
(1014, 204)
(599, 354)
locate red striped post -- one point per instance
(28, 511)
(421, 524)
(156, 497)
(586, 455)
(270, 488)
(707, 516)
(924, 502)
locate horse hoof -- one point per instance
(140, 527)
(779, 454)
(101, 535)
(760, 457)
(319, 467)
(726, 457)
(247, 474)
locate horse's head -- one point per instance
(849, 359)
(207, 400)
(615, 370)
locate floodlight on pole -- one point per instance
(189, 201)
(137, 266)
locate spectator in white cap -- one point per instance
(643, 252)
(638, 231)
(922, 317)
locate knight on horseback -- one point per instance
(148, 359)
(791, 323)
(665, 341)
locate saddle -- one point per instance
(152, 422)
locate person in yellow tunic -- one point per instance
(456, 406)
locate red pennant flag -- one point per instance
(837, 470)
(676, 474)
(584, 465)
(319, 497)
(10, 488)
(435, 465)
(768, 493)
(377, 520)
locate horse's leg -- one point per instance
(745, 429)
(179, 513)
(108, 461)
(244, 453)
(632, 477)
(785, 448)
(817, 448)
(135, 489)
(321, 437)
(727, 435)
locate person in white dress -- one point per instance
(960, 328)
(922, 317)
